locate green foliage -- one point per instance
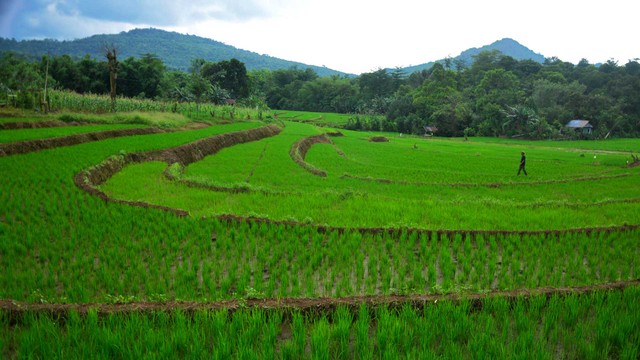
(60, 245)
(143, 111)
(156, 119)
(602, 324)
(229, 75)
(34, 134)
(452, 98)
(404, 182)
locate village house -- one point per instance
(430, 130)
(581, 126)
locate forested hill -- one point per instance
(174, 49)
(506, 46)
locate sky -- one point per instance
(353, 36)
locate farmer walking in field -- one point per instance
(523, 161)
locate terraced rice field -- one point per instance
(252, 241)
(405, 182)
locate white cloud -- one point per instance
(171, 12)
(8, 12)
(353, 36)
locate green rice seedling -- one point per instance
(406, 325)
(606, 326)
(269, 337)
(551, 319)
(341, 333)
(299, 333)
(363, 341)
(384, 335)
(497, 203)
(9, 136)
(62, 245)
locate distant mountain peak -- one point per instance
(506, 41)
(177, 50)
(506, 46)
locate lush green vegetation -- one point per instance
(147, 111)
(175, 49)
(406, 182)
(496, 95)
(32, 134)
(66, 255)
(150, 118)
(595, 326)
(62, 245)
(321, 119)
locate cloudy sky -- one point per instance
(353, 36)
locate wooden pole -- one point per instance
(110, 53)
(44, 103)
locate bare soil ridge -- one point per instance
(317, 305)
(38, 124)
(23, 147)
(490, 185)
(299, 151)
(430, 233)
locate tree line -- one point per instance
(494, 96)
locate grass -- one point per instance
(68, 101)
(55, 250)
(155, 119)
(7, 136)
(430, 184)
(596, 325)
(316, 118)
(61, 245)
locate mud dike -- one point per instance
(23, 147)
(16, 309)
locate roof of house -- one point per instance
(430, 128)
(578, 124)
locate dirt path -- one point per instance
(16, 308)
(490, 184)
(39, 124)
(438, 233)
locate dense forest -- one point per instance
(176, 50)
(496, 95)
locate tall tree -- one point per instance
(378, 84)
(110, 52)
(151, 70)
(497, 90)
(558, 101)
(328, 94)
(438, 102)
(230, 75)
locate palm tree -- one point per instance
(519, 119)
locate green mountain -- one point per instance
(176, 50)
(506, 46)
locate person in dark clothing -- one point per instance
(523, 161)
